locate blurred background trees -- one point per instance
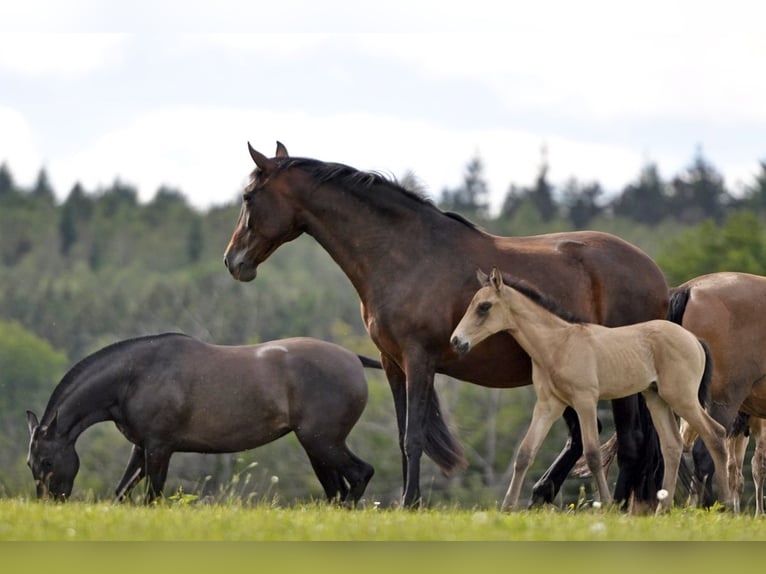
(100, 266)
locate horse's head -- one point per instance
(267, 218)
(52, 459)
(485, 315)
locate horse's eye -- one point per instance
(483, 308)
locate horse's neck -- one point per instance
(376, 237)
(82, 406)
(539, 331)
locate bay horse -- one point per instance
(172, 393)
(728, 310)
(576, 364)
(413, 265)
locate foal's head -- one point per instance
(52, 459)
(486, 315)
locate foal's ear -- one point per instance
(32, 421)
(496, 278)
(281, 150)
(260, 160)
(482, 277)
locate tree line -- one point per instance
(102, 266)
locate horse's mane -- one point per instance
(73, 374)
(349, 177)
(544, 301)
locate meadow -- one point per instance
(25, 520)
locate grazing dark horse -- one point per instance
(413, 267)
(728, 310)
(172, 393)
(576, 364)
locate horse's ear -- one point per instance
(32, 421)
(50, 428)
(496, 278)
(482, 277)
(260, 160)
(281, 150)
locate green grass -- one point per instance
(23, 520)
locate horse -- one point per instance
(172, 393)
(412, 266)
(576, 364)
(728, 310)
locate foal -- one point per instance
(577, 364)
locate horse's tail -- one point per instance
(679, 297)
(440, 445)
(370, 363)
(707, 374)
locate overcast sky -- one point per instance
(175, 89)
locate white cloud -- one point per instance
(17, 145)
(58, 54)
(203, 152)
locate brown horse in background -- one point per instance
(413, 267)
(728, 310)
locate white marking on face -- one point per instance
(262, 351)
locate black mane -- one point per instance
(349, 177)
(544, 301)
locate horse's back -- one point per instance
(210, 398)
(607, 279)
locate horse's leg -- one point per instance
(636, 456)
(397, 380)
(704, 472)
(714, 437)
(329, 477)
(358, 473)
(546, 488)
(758, 462)
(157, 462)
(134, 472)
(736, 445)
(587, 413)
(546, 411)
(671, 444)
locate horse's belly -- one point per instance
(624, 383)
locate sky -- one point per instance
(170, 92)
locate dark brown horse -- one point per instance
(414, 269)
(728, 310)
(172, 393)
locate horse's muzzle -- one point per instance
(460, 345)
(237, 269)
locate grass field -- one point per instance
(23, 520)
(82, 537)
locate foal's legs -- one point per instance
(671, 443)
(714, 437)
(588, 416)
(546, 411)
